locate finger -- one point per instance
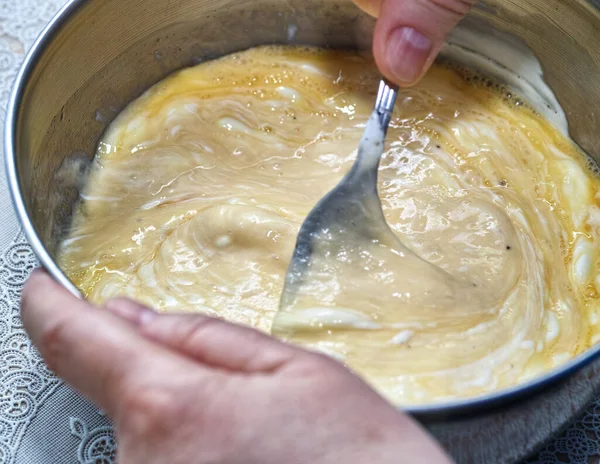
(208, 340)
(130, 310)
(370, 7)
(220, 344)
(410, 33)
(102, 356)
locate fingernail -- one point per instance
(407, 53)
(131, 311)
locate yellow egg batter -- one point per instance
(201, 185)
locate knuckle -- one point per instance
(52, 342)
(332, 375)
(182, 332)
(200, 332)
(28, 297)
(149, 410)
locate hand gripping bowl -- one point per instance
(98, 55)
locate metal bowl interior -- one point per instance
(98, 55)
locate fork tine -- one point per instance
(352, 207)
(384, 104)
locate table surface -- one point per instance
(42, 420)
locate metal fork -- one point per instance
(350, 213)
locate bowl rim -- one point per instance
(449, 409)
(10, 139)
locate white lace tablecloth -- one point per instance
(42, 421)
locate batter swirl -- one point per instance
(201, 184)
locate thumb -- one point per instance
(410, 33)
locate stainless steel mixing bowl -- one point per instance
(98, 55)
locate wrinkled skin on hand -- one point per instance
(191, 389)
